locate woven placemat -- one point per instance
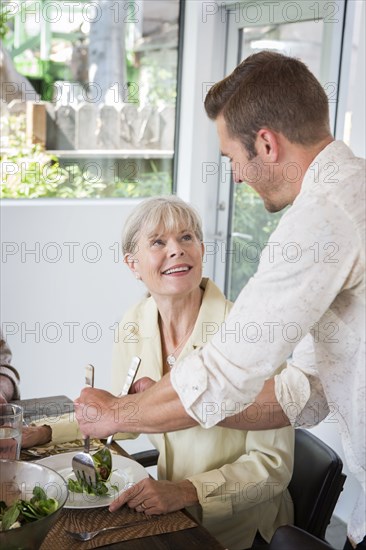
(92, 519)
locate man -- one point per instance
(306, 300)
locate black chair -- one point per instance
(315, 486)
(289, 537)
(147, 458)
(316, 483)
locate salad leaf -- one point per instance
(38, 494)
(76, 486)
(26, 511)
(47, 507)
(10, 516)
(103, 464)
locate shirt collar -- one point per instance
(334, 153)
(213, 308)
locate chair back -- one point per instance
(289, 537)
(316, 483)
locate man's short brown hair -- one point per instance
(271, 90)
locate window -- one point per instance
(95, 115)
(252, 224)
(244, 226)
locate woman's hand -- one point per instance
(141, 385)
(36, 435)
(157, 497)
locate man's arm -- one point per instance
(276, 309)
(159, 409)
(264, 414)
(156, 410)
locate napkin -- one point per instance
(64, 427)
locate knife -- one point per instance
(131, 375)
(89, 376)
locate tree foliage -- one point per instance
(252, 220)
(32, 173)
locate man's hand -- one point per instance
(157, 497)
(36, 435)
(98, 412)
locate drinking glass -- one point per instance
(11, 421)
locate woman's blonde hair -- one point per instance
(170, 213)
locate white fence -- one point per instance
(88, 126)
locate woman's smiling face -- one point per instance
(168, 262)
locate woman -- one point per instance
(236, 480)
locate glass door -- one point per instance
(312, 32)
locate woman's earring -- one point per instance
(137, 275)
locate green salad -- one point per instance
(103, 464)
(23, 511)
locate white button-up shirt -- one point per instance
(307, 300)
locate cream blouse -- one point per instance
(240, 477)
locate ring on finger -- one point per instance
(143, 505)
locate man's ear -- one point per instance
(267, 145)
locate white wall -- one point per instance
(87, 285)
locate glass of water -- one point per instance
(11, 422)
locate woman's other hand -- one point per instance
(157, 497)
(142, 384)
(36, 435)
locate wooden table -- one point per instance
(194, 538)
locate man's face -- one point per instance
(258, 173)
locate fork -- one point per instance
(88, 535)
(82, 463)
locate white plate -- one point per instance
(125, 472)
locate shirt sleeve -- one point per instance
(302, 269)
(299, 390)
(64, 428)
(259, 475)
(6, 368)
